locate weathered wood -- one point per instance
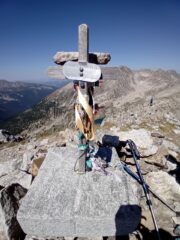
(98, 58)
(83, 43)
(90, 72)
(55, 72)
(83, 46)
(108, 73)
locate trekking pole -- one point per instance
(135, 155)
(133, 175)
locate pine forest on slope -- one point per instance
(15, 97)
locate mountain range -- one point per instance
(15, 97)
(125, 100)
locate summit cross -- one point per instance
(82, 68)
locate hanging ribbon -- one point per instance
(84, 116)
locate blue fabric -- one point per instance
(88, 163)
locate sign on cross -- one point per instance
(82, 70)
(86, 69)
(76, 66)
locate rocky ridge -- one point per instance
(126, 102)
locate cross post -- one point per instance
(83, 44)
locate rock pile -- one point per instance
(9, 204)
(155, 128)
(6, 136)
(159, 164)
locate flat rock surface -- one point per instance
(62, 203)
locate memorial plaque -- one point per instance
(87, 72)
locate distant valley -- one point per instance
(15, 97)
(125, 100)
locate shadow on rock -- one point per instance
(104, 153)
(117, 238)
(127, 219)
(149, 235)
(10, 198)
(176, 172)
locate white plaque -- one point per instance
(87, 72)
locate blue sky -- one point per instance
(137, 33)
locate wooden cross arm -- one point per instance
(55, 72)
(97, 58)
(108, 73)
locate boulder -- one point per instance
(9, 166)
(14, 167)
(171, 146)
(164, 185)
(30, 147)
(27, 161)
(62, 203)
(41, 238)
(9, 204)
(159, 159)
(157, 135)
(168, 189)
(152, 150)
(143, 141)
(17, 176)
(4, 135)
(176, 131)
(141, 137)
(44, 142)
(172, 153)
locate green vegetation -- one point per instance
(50, 131)
(31, 116)
(108, 125)
(8, 145)
(167, 127)
(126, 127)
(145, 125)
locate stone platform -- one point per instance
(62, 203)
